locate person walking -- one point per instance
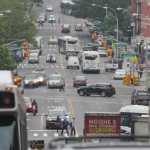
(128, 62)
(58, 123)
(65, 124)
(61, 85)
(59, 20)
(72, 125)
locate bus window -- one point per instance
(90, 58)
(125, 120)
(72, 42)
(59, 42)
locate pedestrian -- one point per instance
(72, 125)
(128, 62)
(61, 85)
(65, 124)
(59, 20)
(58, 123)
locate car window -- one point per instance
(33, 51)
(120, 71)
(30, 77)
(93, 85)
(55, 113)
(141, 92)
(99, 85)
(90, 58)
(110, 61)
(80, 78)
(123, 131)
(114, 62)
(27, 100)
(54, 77)
(65, 112)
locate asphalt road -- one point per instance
(52, 98)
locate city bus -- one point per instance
(13, 125)
(67, 43)
(127, 112)
(65, 6)
(90, 61)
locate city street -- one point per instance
(52, 98)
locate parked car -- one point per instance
(103, 89)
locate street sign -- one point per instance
(128, 55)
(109, 38)
(100, 37)
(11, 56)
(97, 23)
(119, 45)
(11, 46)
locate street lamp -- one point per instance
(7, 11)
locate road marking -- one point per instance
(66, 135)
(44, 134)
(27, 113)
(42, 130)
(99, 107)
(35, 134)
(55, 134)
(41, 122)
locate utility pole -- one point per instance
(117, 38)
(146, 65)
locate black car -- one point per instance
(87, 48)
(51, 117)
(103, 89)
(51, 58)
(65, 28)
(79, 81)
(33, 59)
(70, 53)
(78, 27)
(137, 98)
(31, 80)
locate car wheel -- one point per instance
(106, 70)
(74, 85)
(87, 94)
(109, 95)
(103, 94)
(98, 72)
(114, 78)
(77, 67)
(81, 93)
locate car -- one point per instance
(65, 28)
(39, 70)
(79, 81)
(54, 80)
(44, 16)
(33, 59)
(32, 47)
(137, 97)
(31, 80)
(95, 44)
(53, 60)
(20, 55)
(28, 102)
(103, 89)
(34, 52)
(42, 78)
(53, 40)
(70, 53)
(87, 48)
(119, 74)
(73, 62)
(93, 28)
(111, 64)
(78, 27)
(49, 9)
(51, 19)
(51, 117)
(41, 18)
(101, 51)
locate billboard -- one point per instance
(102, 123)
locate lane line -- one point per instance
(41, 122)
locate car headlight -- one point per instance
(35, 81)
(26, 82)
(62, 119)
(47, 59)
(49, 119)
(41, 80)
(30, 106)
(54, 59)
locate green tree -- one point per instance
(6, 63)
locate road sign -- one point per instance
(119, 45)
(109, 38)
(11, 46)
(11, 56)
(128, 55)
(97, 23)
(100, 37)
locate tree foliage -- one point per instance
(84, 9)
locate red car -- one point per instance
(28, 102)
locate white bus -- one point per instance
(90, 61)
(13, 121)
(132, 110)
(68, 43)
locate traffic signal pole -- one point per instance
(146, 66)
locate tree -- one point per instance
(16, 24)
(6, 63)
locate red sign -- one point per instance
(102, 124)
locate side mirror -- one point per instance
(46, 114)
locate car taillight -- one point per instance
(76, 27)
(68, 28)
(75, 54)
(78, 59)
(67, 54)
(67, 47)
(84, 80)
(75, 80)
(61, 28)
(138, 99)
(82, 27)
(108, 88)
(68, 59)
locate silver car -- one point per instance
(49, 8)
(54, 80)
(33, 59)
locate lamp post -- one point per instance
(7, 11)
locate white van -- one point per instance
(73, 62)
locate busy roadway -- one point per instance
(51, 98)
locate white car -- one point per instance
(101, 51)
(119, 74)
(73, 62)
(111, 64)
(125, 130)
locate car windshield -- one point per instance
(54, 77)
(53, 37)
(27, 100)
(88, 48)
(39, 74)
(49, 6)
(120, 71)
(55, 113)
(33, 56)
(30, 77)
(80, 78)
(78, 24)
(33, 51)
(51, 16)
(66, 25)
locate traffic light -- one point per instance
(107, 52)
(137, 61)
(40, 5)
(33, 23)
(27, 53)
(126, 80)
(135, 80)
(104, 43)
(131, 77)
(25, 44)
(94, 36)
(110, 53)
(84, 139)
(17, 81)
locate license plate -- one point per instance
(55, 85)
(75, 63)
(55, 123)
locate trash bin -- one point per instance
(120, 62)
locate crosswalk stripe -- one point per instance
(55, 134)
(35, 134)
(44, 134)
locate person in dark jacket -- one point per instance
(34, 103)
(58, 123)
(65, 124)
